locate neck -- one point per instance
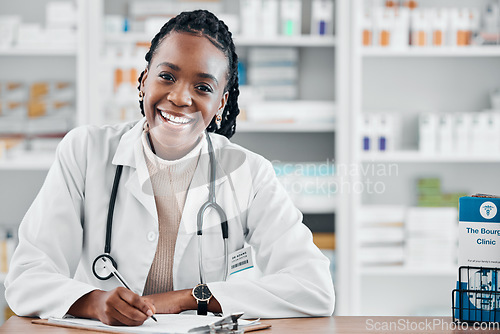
(171, 152)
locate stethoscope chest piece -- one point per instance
(102, 270)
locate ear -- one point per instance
(144, 76)
(223, 102)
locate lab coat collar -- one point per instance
(125, 155)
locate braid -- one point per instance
(204, 23)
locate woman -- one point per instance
(188, 95)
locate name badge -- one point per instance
(240, 260)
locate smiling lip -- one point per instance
(173, 119)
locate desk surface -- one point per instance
(415, 325)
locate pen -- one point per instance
(120, 278)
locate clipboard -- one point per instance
(251, 328)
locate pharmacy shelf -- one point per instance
(298, 41)
(38, 52)
(416, 157)
(471, 51)
(409, 271)
(127, 38)
(27, 160)
(247, 126)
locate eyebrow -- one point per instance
(208, 76)
(177, 68)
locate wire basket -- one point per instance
(477, 296)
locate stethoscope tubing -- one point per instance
(111, 209)
(211, 203)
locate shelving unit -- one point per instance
(22, 172)
(294, 41)
(441, 80)
(419, 157)
(38, 52)
(247, 126)
(466, 51)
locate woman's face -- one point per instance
(183, 90)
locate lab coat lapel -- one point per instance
(138, 183)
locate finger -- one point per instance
(120, 319)
(151, 305)
(137, 309)
(127, 314)
(138, 302)
(115, 312)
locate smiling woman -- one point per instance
(149, 189)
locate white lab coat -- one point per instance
(64, 231)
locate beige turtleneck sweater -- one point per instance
(170, 180)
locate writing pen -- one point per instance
(120, 278)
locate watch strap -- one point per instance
(202, 307)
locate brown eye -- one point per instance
(204, 88)
(166, 76)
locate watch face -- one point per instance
(201, 292)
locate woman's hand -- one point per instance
(116, 307)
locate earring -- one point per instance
(218, 120)
(141, 95)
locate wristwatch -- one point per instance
(202, 294)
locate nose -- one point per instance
(180, 95)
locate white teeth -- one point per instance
(175, 119)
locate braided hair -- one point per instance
(204, 23)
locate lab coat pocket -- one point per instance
(214, 268)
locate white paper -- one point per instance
(167, 323)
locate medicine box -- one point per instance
(478, 297)
(479, 232)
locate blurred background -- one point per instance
(377, 116)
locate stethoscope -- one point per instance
(104, 266)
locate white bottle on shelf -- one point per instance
(250, 11)
(428, 132)
(269, 18)
(479, 134)
(462, 135)
(291, 17)
(445, 134)
(401, 28)
(367, 138)
(322, 17)
(383, 22)
(439, 26)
